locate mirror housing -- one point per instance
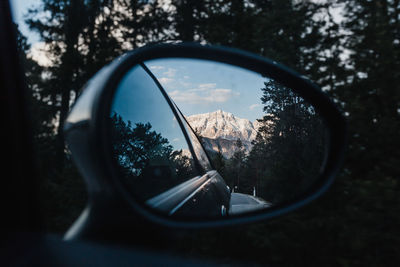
(87, 134)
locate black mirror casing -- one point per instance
(87, 135)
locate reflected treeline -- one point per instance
(148, 163)
(287, 153)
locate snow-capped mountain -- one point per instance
(219, 131)
(221, 124)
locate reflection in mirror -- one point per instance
(266, 144)
(150, 149)
(266, 141)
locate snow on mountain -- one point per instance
(221, 129)
(221, 124)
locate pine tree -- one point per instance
(83, 36)
(371, 91)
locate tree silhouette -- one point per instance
(289, 148)
(148, 163)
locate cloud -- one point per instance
(222, 95)
(254, 106)
(165, 80)
(203, 95)
(157, 67)
(207, 85)
(170, 72)
(185, 84)
(198, 90)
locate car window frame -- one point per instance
(172, 105)
(186, 123)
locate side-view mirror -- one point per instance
(186, 135)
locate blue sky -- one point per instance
(200, 86)
(19, 10)
(139, 100)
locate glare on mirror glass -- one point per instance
(265, 143)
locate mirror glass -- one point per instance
(150, 148)
(198, 138)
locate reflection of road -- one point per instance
(241, 203)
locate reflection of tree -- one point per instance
(287, 153)
(236, 165)
(288, 150)
(147, 161)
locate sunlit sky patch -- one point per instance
(200, 86)
(19, 10)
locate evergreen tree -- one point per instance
(79, 38)
(147, 162)
(83, 36)
(289, 148)
(219, 162)
(187, 19)
(371, 91)
(236, 164)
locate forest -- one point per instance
(350, 48)
(148, 164)
(287, 153)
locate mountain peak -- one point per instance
(217, 112)
(221, 129)
(222, 124)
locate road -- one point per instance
(242, 203)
